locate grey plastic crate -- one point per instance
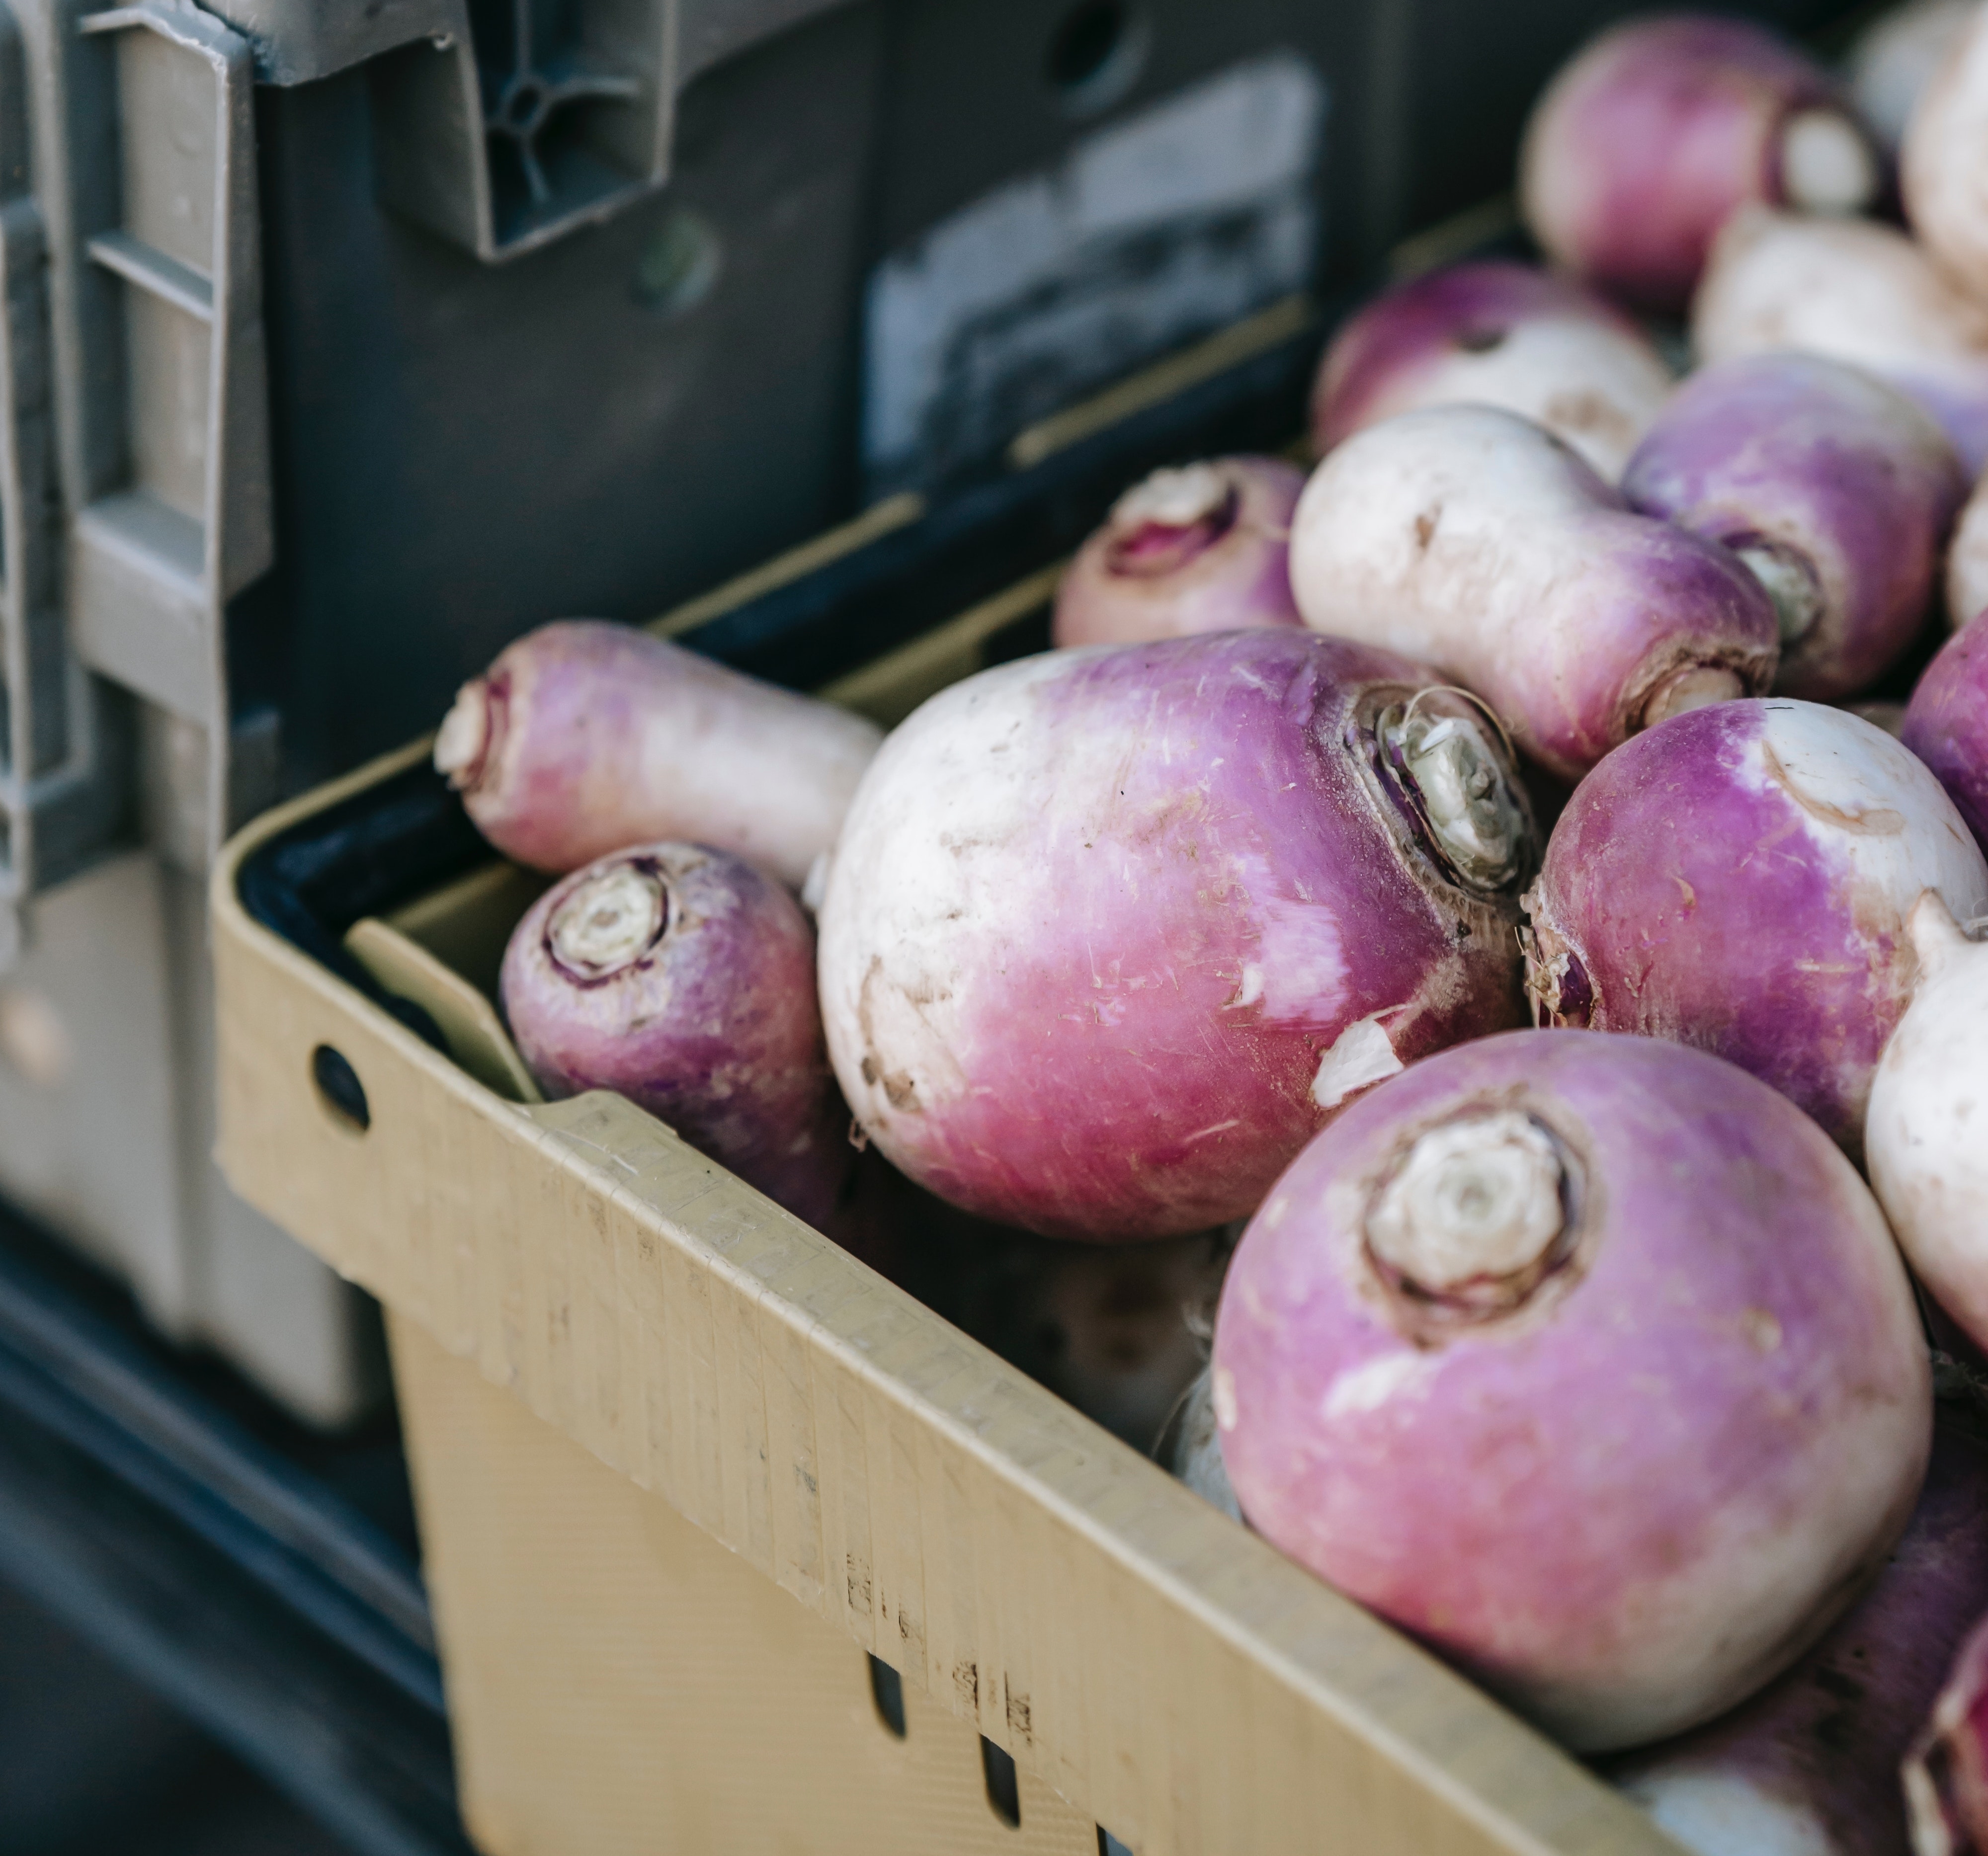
(343, 340)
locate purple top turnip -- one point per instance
(1202, 549)
(585, 736)
(1470, 539)
(1589, 1361)
(1740, 879)
(1895, 57)
(1837, 490)
(1946, 722)
(685, 979)
(1111, 932)
(1495, 333)
(1923, 1137)
(1647, 142)
(1810, 1766)
(1857, 291)
(1945, 154)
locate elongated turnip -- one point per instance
(685, 979)
(1203, 548)
(1470, 539)
(1896, 56)
(1924, 1138)
(1587, 1360)
(1111, 932)
(1810, 1766)
(1858, 291)
(1944, 152)
(1837, 490)
(585, 736)
(1740, 880)
(1946, 1771)
(1946, 723)
(1645, 143)
(1495, 333)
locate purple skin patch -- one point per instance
(1946, 723)
(1227, 569)
(712, 1026)
(1642, 148)
(1822, 1745)
(1845, 486)
(1419, 325)
(1626, 1502)
(1096, 919)
(1696, 889)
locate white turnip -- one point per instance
(1856, 291)
(1495, 333)
(1897, 55)
(1924, 1137)
(1472, 539)
(1588, 1361)
(1944, 156)
(1111, 932)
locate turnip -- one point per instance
(1894, 58)
(1810, 1766)
(1495, 333)
(1111, 932)
(1589, 1361)
(1740, 880)
(1924, 1137)
(1643, 146)
(1470, 538)
(685, 979)
(1837, 490)
(1190, 1447)
(1944, 152)
(1203, 548)
(1967, 561)
(1946, 1771)
(1946, 723)
(1857, 291)
(585, 736)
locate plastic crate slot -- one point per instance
(1004, 1785)
(339, 1089)
(886, 1690)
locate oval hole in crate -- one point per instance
(339, 1089)
(1004, 1786)
(1096, 55)
(886, 1690)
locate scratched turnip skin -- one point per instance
(1837, 490)
(1495, 333)
(684, 979)
(1590, 1361)
(1740, 879)
(1110, 933)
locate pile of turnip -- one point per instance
(1612, 1199)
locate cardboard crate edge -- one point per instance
(504, 1264)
